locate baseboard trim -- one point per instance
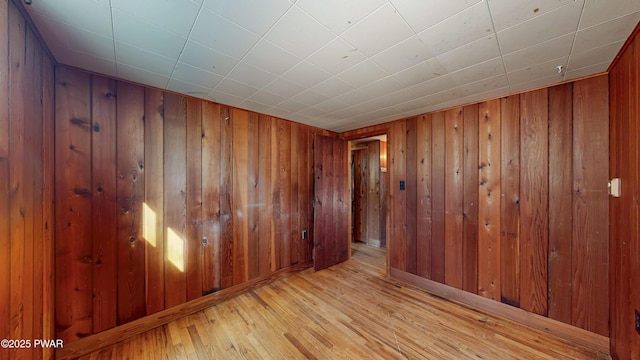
(571, 333)
(109, 337)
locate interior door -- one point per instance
(331, 202)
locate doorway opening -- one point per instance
(369, 189)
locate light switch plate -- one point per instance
(614, 187)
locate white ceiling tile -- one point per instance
(606, 33)
(188, 88)
(251, 75)
(143, 59)
(382, 87)
(338, 21)
(176, 16)
(254, 106)
(270, 57)
(224, 98)
(467, 26)
(290, 105)
(598, 11)
(284, 88)
(311, 112)
(336, 56)
(422, 14)
(476, 52)
(400, 96)
(310, 98)
(444, 96)
(589, 70)
(306, 75)
(135, 32)
(603, 54)
(235, 88)
(267, 98)
(539, 53)
(87, 15)
(551, 25)
(189, 74)
(412, 105)
(283, 114)
(255, 15)
(478, 97)
(506, 13)
(299, 33)
(534, 84)
(207, 59)
(354, 97)
(406, 54)
(61, 35)
(485, 85)
(424, 71)
(331, 105)
(438, 84)
(86, 61)
(369, 106)
(142, 76)
(332, 87)
(346, 113)
(362, 74)
(484, 70)
(370, 37)
(220, 34)
(538, 71)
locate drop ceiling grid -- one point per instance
(337, 63)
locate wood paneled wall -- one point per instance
(26, 179)
(369, 195)
(162, 199)
(625, 231)
(508, 199)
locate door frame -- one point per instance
(362, 135)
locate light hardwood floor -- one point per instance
(349, 311)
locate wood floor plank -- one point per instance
(321, 315)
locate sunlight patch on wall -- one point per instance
(149, 223)
(175, 249)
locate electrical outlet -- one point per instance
(637, 321)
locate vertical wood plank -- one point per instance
(397, 197)
(29, 184)
(211, 196)
(72, 204)
(5, 255)
(153, 208)
(634, 100)
(534, 167)
(384, 191)
(275, 190)
(130, 189)
(560, 201)
(284, 203)
(373, 195)
(590, 207)
(341, 202)
(424, 211)
(226, 194)
(453, 195)
(175, 199)
(470, 198)
(255, 207)
(265, 195)
(47, 208)
(295, 194)
(4, 80)
(488, 200)
(411, 195)
(18, 181)
(104, 202)
(306, 196)
(359, 197)
(438, 136)
(324, 202)
(510, 199)
(194, 199)
(240, 196)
